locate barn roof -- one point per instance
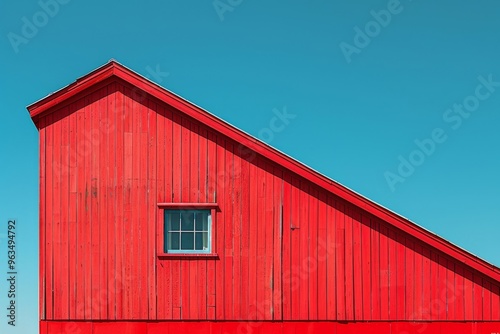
(113, 70)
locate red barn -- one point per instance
(158, 217)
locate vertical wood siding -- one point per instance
(287, 250)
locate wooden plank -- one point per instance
(375, 269)
(459, 293)
(261, 242)
(495, 302)
(442, 288)
(168, 158)
(172, 154)
(128, 203)
(435, 300)
(400, 277)
(478, 301)
(143, 262)
(190, 289)
(162, 267)
(410, 278)
(72, 206)
(110, 205)
(94, 207)
(331, 277)
(450, 290)
(295, 278)
(277, 307)
(418, 306)
(203, 197)
(203, 164)
(120, 182)
(237, 235)
(384, 272)
(267, 302)
(219, 233)
(49, 198)
(195, 302)
(142, 205)
(228, 231)
(468, 295)
(62, 309)
(134, 289)
(357, 264)
(252, 246)
(246, 226)
(151, 191)
(349, 263)
(312, 259)
(176, 158)
(176, 290)
(42, 227)
(202, 288)
(211, 190)
(86, 223)
(194, 158)
(176, 198)
(393, 288)
(185, 165)
(101, 293)
(486, 300)
(56, 222)
(322, 256)
(287, 206)
(80, 249)
(73, 278)
(185, 193)
(303, 251)
(366, 265)
(427, 282)
(340, 262)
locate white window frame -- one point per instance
(180, 231)
(161, 250)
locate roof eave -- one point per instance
(40, 107)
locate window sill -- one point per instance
(188, 206)
(188, 256)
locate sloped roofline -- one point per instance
(114, 69)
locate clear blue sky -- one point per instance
(360, 99)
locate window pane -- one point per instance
(187, 221)
(187, 240)
(205, 240)
(187, 230)
(199, 241)
(205, 222)
(173, 241)
(201, 219)
(173, 221)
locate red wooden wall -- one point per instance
(287, 249)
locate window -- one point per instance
(187, 231)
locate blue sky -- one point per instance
(366, 81)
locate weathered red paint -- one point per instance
(295, 251)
